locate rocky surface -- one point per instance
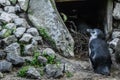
(52, 26)
(23, 44)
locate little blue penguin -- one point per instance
(99, 53)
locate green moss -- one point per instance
(8, 33)
(30, 11)
(50, 58)
(22, 46)
(35, 59)
(68, 74)
(46, 36)
(22, 71)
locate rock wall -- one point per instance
(44, 16)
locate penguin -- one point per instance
(99, 53)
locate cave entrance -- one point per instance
(81, 14)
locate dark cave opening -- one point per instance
(82, 14)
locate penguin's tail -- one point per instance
(104, 70)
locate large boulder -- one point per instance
(46, 19)
(116, 11)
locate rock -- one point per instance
(5, 66)
(1, 75)
(13, 1)
(2, 54)
(33, 31)
(15, 59)
(42, 60)
(5, 33)
(10, 39)
(11, 26)
(13, 48)
(5, 17)
(21, 22)
(28, 58)
(24, 4)
(55, 71)
(116, 11)
(26, 38)
(46, 20)
(111, 50)
(0, 28)
(38, 39)
(1, 11)
(19, 32)
(34, 42)
(5, 2)
(17, 8)
(116, 34)
(29, 50)
(13, 16)
(9, 9)
(33, 73)
(115, 44)
(49, 51)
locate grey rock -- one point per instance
(38, 39)
(13, 48)
(13, 1)
(28, 58)
(1, 75)
(13, 16)
(29, 50)
(5, 2)
(116, 11)
(46, 18)
(21, 22)
(2, 54)
(1, 10)
(5, 66)
(33, 73)
(15, 59)
(10, 39)
(49, 51)
(34, 42)
(24, 4)
(42, 60)
(5, 33)
(26, 38)
(116, 34)
(111, 50)
(9, 9)
(0, 28)
(19, 32)
(55, 71)
(17, 8)
(5, 17)
(115, 44)
(33, 31)
(11, 26)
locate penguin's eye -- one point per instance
(93, 32)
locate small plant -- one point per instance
(35, 59)
(50, 58)
(22, 71)
(22, 45)
(46, 36)
(68, 74)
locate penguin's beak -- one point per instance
(89, 30)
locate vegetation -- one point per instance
(50, 58)
(68, 74)
(46, 36)
(22, 71)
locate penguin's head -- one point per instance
(96, 33)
